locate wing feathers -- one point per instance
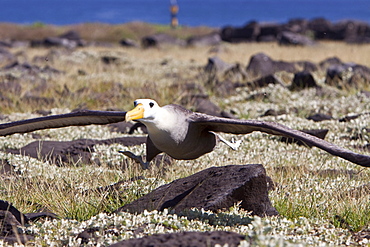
(78, 118)
(207, 122)
(236, 126)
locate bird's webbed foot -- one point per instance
(136, 158)
(234, 145)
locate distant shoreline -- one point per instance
(192, 13)
(351, 31)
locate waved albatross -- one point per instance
(178, 132)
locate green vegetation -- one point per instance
(38, 24)
(97, 31)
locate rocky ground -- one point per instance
(70, 186)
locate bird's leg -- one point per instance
(234, 145)
(138, 159)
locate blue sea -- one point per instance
(213, 13)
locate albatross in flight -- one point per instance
(178, 132)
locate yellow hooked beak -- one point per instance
(136, 113)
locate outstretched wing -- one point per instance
(78, 118)
(237, 126)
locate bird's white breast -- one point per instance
(171, 133)
(167, 129)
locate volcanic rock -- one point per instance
(296, 25)
(262, 65)
(10, 219)
(273, 112)
(265, 81)
(71, 35)
(321, 28)
(159, 39)
(348, 118)
(326, 63)
(27, 68)
(303, 80)
(217, 66)
(69, 40)
(185, 239)
(347, 75)
(269, 32)
(352, 31)
(219, 71)
(65, 152)
(318, 117)
(289, 38)
(216, 188)
(308, 66)
(6, 168)
(247, 33)
(204, 40)
(128, 43)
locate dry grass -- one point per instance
(311, 202)
(96, 85)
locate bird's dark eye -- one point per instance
(151, 104)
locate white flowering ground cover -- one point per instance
(308, 202)
(321, 198)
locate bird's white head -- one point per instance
(145, 110)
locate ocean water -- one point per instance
(214, 13)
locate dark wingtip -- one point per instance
(362, 160)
